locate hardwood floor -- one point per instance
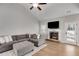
(58, 49)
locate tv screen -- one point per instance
(53, 25)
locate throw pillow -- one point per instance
(2, 40)
(38, 36)
(10, 38)
(6, 38)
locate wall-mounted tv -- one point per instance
(53, 25)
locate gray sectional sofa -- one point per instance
(20, 38)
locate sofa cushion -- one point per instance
(17, 41)
(27, 35)
(6, 39)
(10, 38)
(20, 37)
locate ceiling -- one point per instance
(54, 10)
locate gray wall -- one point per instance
(15, 19)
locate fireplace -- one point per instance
(53, 35)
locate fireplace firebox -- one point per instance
(54, 35)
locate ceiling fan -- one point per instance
(36, 5)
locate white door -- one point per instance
(70, 33)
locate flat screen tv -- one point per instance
(53, 25)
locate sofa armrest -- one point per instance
(41, 41)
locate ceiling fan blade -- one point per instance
(31, 8)
(39, 8)
(42, 3)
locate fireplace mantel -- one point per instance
(55, 31)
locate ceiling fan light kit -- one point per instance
(37, 5)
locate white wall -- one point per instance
(43, 30)
(15, 19)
